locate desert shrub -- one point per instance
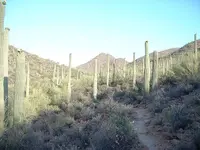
(196, 139)
(178, 117)
(105, 93)
(180, 90)
(79, 127)
(115, 134)
(185, 146)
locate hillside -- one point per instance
(39, 68)
(102, 59)
(188, 47)
(162, 53)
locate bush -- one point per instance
(115, 134)
(178, 117)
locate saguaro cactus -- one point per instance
(27, 79)
(143, 66)
(195, 46)
(167, 64)
(54, 73)
(163, 66)
(2, 16)
(62, 72)
(134, 71)
(5, 58)
(58, 75)
(155, 70)
(108, 71)
(69, 79)
(20, 79)
(114, 71)
(124, 68)
(95, 81)
(146, 70)
(171, 61)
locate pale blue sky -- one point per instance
(52, 29)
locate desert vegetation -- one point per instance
(50, 106)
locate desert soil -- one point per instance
(148, 137)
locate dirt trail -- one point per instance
(150, 141)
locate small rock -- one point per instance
(167, 136)
(175, 141)
(159, 129)
(147, 122)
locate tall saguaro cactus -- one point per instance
(195, 46)
(27, 79)
(143, 66)
(95, 81)
(124, 68)
(134, 71)
(2, 16)
(163, 66)
(146, 70)
(54, 73)
(58, 75)
(20, 79)
(69, 79)
(167, 64)
(108, 71)
(5, 59)
(171, 61)
(155, 70)
(114, 71)
(62, 72)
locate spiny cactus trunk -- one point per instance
(163, 66)
(143, 66)
(195, 46)
(54, 74)
(95, 81)
(20, 79)
(27, 80)
(5, 52)
(62, 72)
(58, 75)
(171, 62)
(167, 64)
(114, 71)
(108, 69)
(155, 70)
(124, 68)
(196, 53)
(2, 15)
(146, 70)
(69, 79)
(134, 71)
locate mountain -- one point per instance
(102, 61)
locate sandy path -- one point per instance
(150, 141)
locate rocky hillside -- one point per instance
(39, 68)
(160, 53)
(102, 60)
(188, 47)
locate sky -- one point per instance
(53, 29)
